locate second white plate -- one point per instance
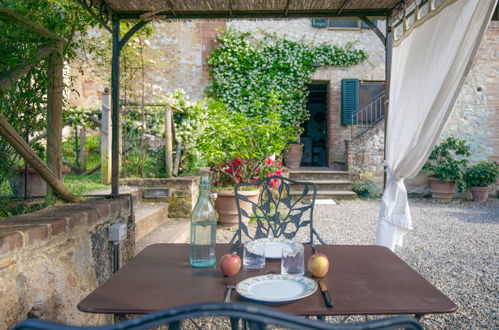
(273, 246)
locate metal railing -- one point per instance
(368, 116)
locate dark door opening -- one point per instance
(314, 136)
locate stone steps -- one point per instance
(148, 217)
(331, 194)
(336, 185)
(312, 175)
(172, 231)
(331, 184)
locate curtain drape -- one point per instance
(429, 65)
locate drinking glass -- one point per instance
(292, 261)
(254, 256)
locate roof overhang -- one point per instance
(244, 9)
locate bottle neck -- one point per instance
(204, 185)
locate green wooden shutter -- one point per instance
(349, 99)
(319, 22)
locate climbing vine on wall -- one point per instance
(248, 72)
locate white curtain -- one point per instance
(429, 65)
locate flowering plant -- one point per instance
(240, 148)
(243, 170)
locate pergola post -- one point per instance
(54, 110)
(105, 131)
(388, 72)
(168, 141)
(115, 100)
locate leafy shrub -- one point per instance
(252, 141)
(249, 73)
(447, 161)
(363, 187)
(482, 174)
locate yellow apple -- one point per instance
(318, 265)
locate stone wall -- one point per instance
(476, 115)
(184, 193)
(51, 259)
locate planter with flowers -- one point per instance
(445, 166)
(240, 149)
(479, 177)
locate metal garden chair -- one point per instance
(279, 212)
(255, 317)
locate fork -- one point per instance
(231, 284)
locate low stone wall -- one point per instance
(184, 192)
(51, 259)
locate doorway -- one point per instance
(314, 135)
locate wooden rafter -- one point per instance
(343, 5)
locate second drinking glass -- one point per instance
(292, 261)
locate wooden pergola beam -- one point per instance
(17, 142)
(54, 110)
(51, 172)
(14, 17)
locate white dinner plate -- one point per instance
(276, 288)
(273, 246)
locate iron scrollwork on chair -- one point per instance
(279, 212)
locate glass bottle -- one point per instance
(203, 226)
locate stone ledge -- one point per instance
(157, 182)
(29, 229)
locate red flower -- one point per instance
(268, 161)
(278, 172)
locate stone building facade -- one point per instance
(179, 51)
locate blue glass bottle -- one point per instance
(203, 226)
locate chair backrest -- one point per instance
(257, 317)
(284, 207)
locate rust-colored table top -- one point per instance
(362, 280)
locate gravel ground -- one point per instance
(454, 245)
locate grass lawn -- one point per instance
(81, 185)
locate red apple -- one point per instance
(318, 265)
(230, 264)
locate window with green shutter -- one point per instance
(349, 99)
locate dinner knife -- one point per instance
(325, 293)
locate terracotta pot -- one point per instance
(293, 155)
(227, 208)
(36, 185)
(480, 194)
(442, 190)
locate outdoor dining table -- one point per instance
(363, 280)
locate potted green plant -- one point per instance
(240, 149)
(479, 177)
(363, 187)
(445, 167)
